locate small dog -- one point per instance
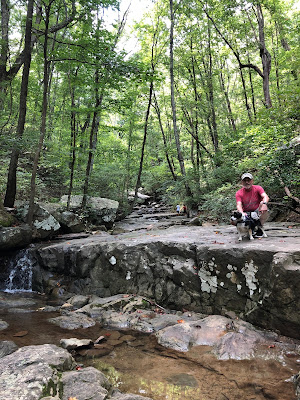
(249, 223)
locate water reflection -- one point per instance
(152, 388)
(135, 363)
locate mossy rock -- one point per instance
(6, 219)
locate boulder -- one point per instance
(229, 339)
(85, 384)
(7, 347)
(201, 269)
(48, 372)
(69, 222)
(15, 237)
(141, 198)
(296, 380)
(6, 218)
(33, 371)
(72, 321)
(79, 301)
(74, 343)
(196, 221)
(99, 210)
(44, 224)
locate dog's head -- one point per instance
(236, 216)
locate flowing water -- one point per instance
(134, 362)
(16, 272)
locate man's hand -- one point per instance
(263, 208)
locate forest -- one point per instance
(211, 91)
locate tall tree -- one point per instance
(264, 53)
(173, 102)
(10, 194)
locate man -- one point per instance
(252, 198)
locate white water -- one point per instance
(20, 276)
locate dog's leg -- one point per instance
(250, 234)
(239, 232)
(263, 231)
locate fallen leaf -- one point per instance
(180, 321)
(20, 334)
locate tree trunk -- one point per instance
(265, 57)
(245, 96)
(93, 139)
(43, 120)
(138, 181)
(215, 138)
(73, 140)
(5, 14)
(164, 138)
(229, 109)
(173, 104)
(252, 90)
(11, 187)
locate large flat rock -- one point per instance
(204, 269)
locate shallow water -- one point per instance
(137, 364)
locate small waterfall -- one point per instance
(20, 273)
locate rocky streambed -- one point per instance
(92, 347)
(169, 312)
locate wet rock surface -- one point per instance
(198, 340)
(200, 268)
(164, 281)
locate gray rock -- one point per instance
(229, 339)
(79, 301)
(48, 372)
(70, 222)
(195, 221)
(72, 321)
(15, 237)
(100, 210)
(128, 396)
(16, 302)
(32, 371)
(7, 347)
(74, 343)
(202, 269)
(3, 325)
(85, 384)
(44, 224)
(296, 380)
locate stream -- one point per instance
(134, 362)
(141, 366)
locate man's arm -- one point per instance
(239, 206)
(265, 197)
(263, 204)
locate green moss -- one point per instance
(6, 219)
(50, 389)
